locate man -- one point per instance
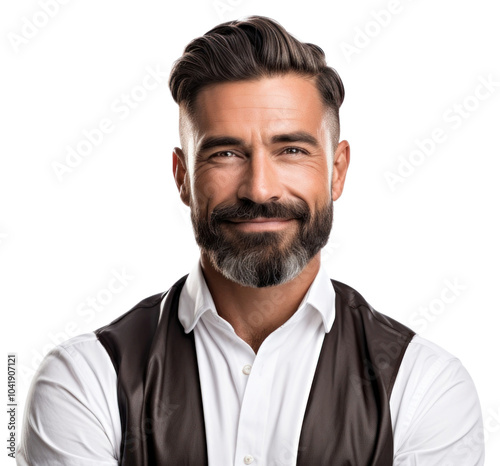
(255, 357)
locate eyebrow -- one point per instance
(297, 136)
(217, 141)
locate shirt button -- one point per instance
(247, 368)
(248, 459)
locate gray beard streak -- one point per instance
(253, 271)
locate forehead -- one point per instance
(260, 108)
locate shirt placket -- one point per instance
(253, 420)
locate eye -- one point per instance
(294, 151)
(224, 154)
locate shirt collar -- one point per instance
(195, 299)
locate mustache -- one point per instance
(249, 210)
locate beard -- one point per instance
(261, 259)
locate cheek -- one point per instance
(311, 183)
(213, 187)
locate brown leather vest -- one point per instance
(347, 420)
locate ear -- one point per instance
(181, 174)
(340, 165)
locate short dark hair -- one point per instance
(253, 48)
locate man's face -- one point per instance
(258, 173)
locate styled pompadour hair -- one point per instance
(253, 48)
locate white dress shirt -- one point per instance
(253, 404)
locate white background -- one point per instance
(117, 211)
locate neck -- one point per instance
(254, 313)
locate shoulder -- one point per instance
(425, 351)
(84, 355)
(427, 368)
(85, 347)
(147, 309)
(80, 365)
(425, 362)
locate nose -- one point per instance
(260, 182)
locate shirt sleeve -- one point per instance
(436, 412)
(71, 415)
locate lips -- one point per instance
(260, 220)
(259, 224)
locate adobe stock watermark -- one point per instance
(120, 108)
(379, 363)
(165, 413)
(453, 117)
(87, 311)
(469, 447)
(31, 26)
(371, 29)
(436, 307)
(288, 453)
(222, 7)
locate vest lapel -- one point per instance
(173, 409)
(344, 423)
(159, 395)
(347, 420)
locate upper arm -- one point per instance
(438, 419)
(68, 419)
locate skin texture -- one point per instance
(261, 167)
